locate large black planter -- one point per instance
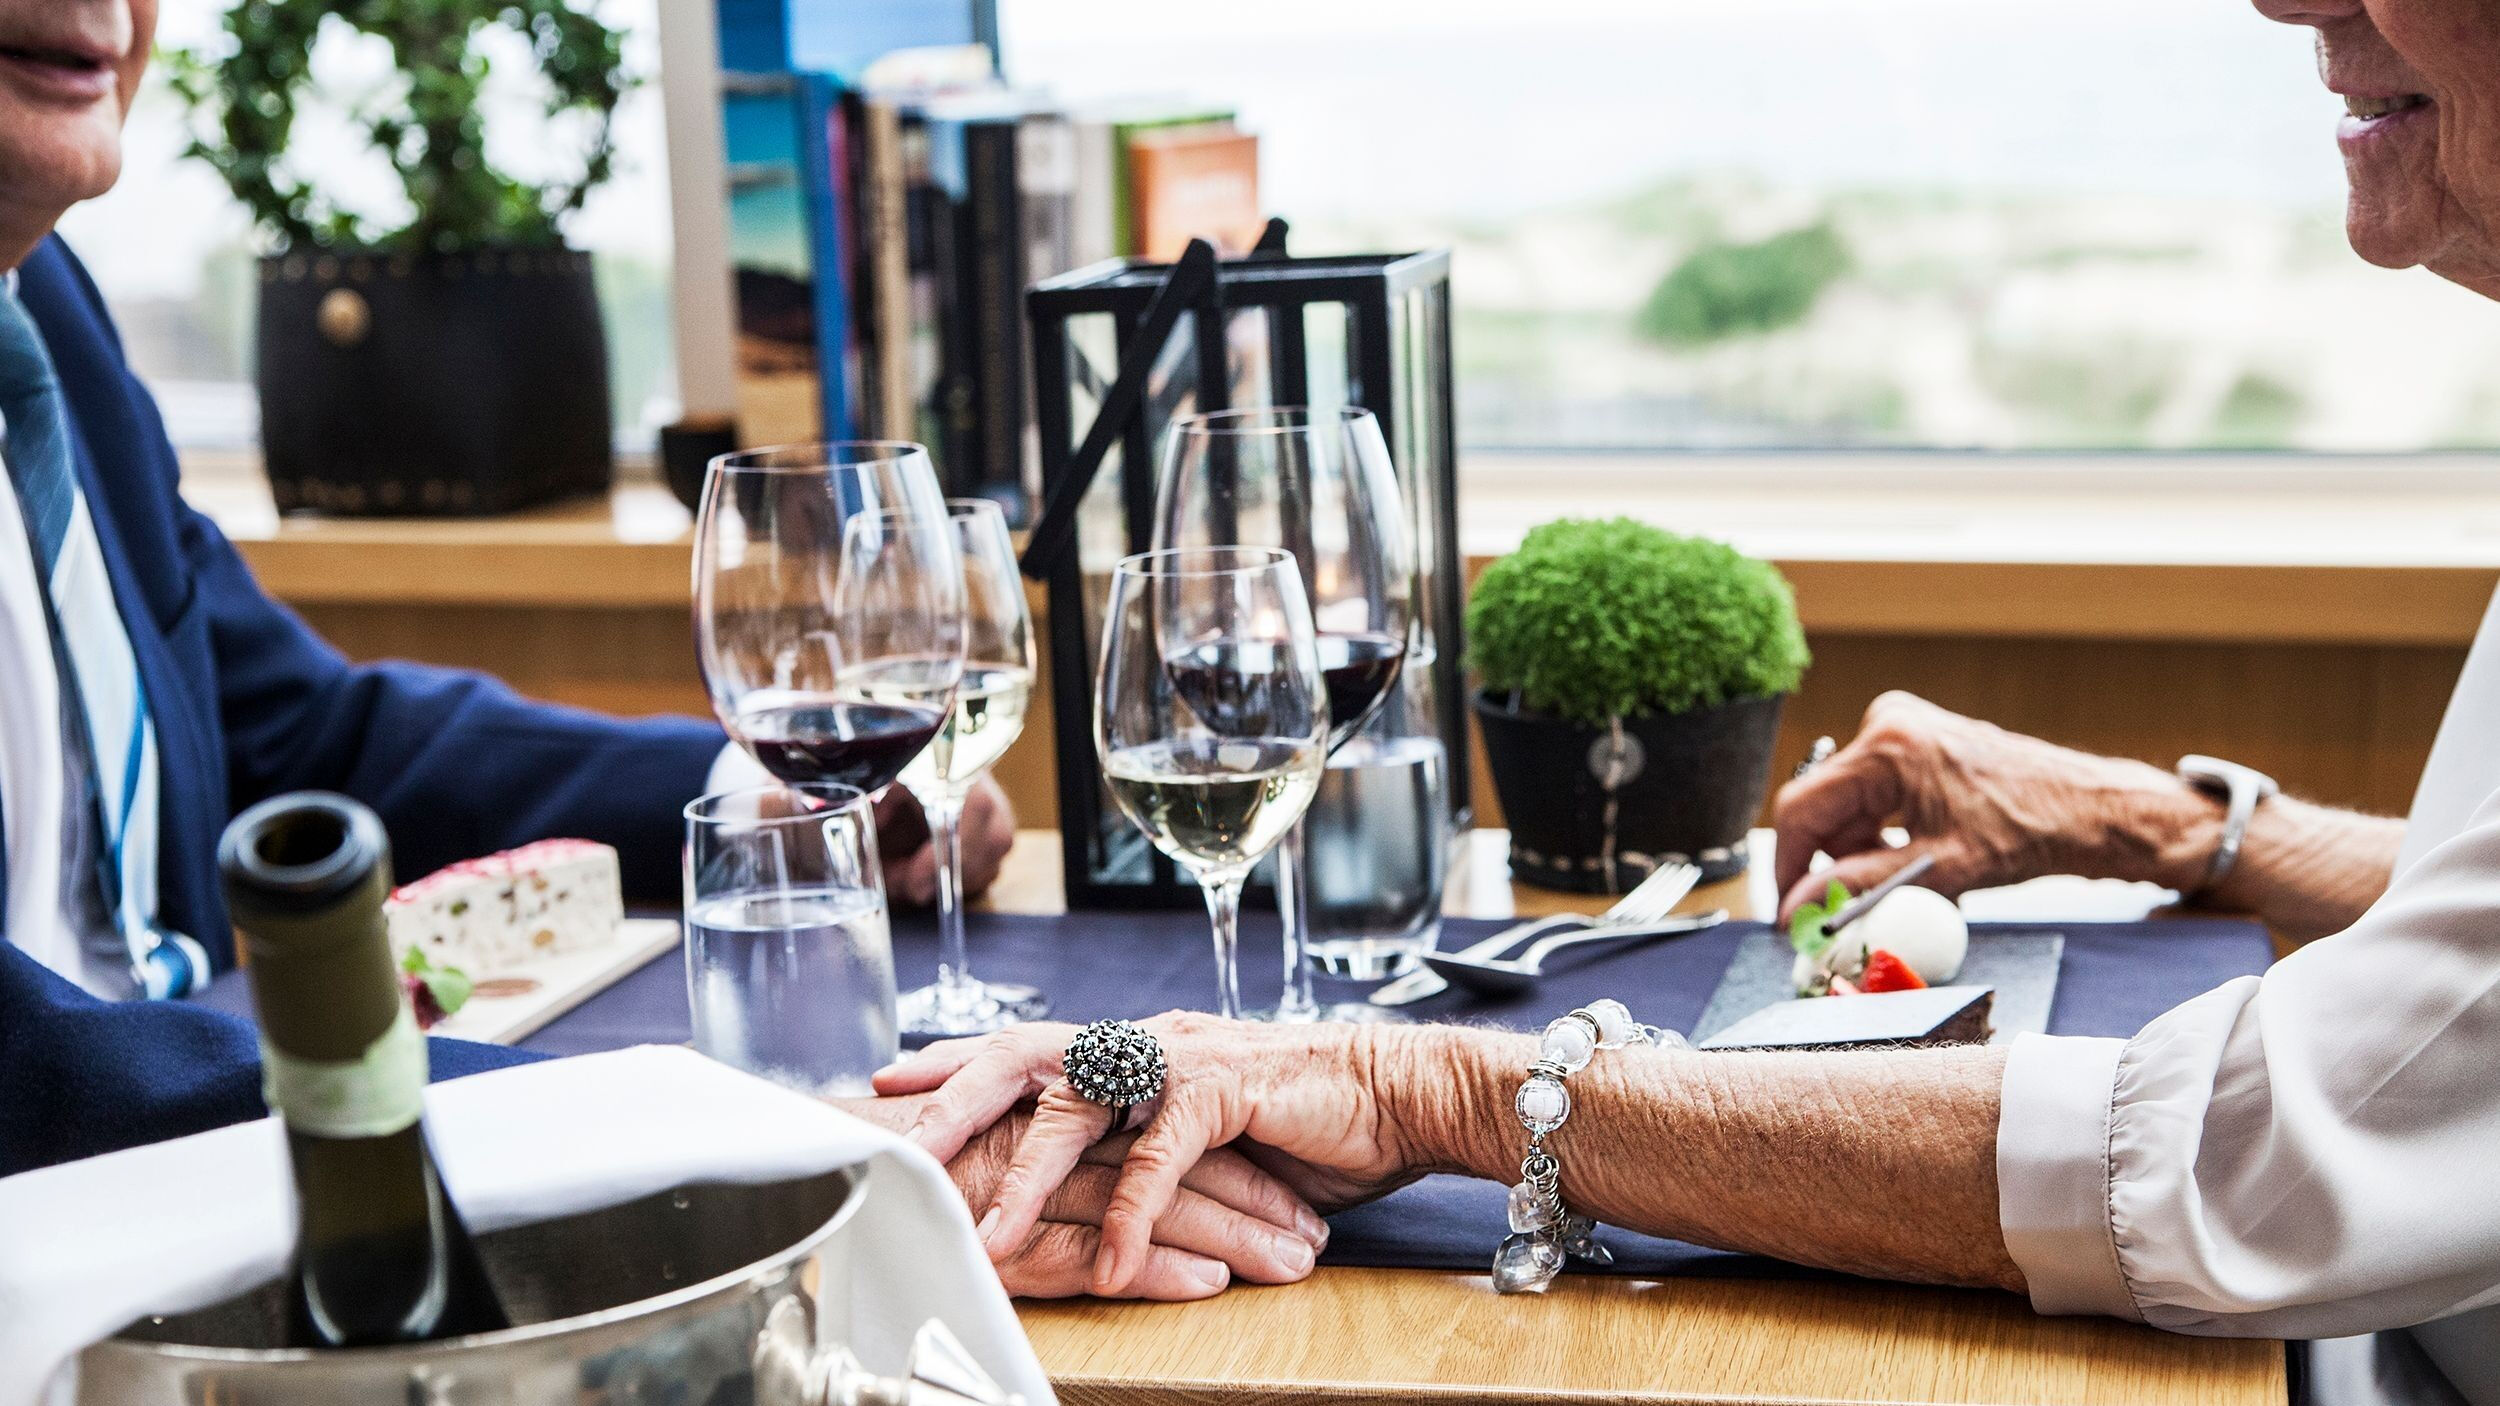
(436, 383)
(1684, 787)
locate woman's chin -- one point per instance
(2389, 238)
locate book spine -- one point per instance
(923, 252)
(995, 206)
(886, 258)
(824, 173)
(954, 406)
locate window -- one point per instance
(2018, 224)
(176, 257)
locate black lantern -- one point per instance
(1122, 349)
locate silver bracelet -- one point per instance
(1542, 1229)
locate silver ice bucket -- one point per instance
(707, 1295)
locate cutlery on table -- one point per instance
(1494, 976)
(1864, 903)
(1645, 905)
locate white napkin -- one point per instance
(87, 1247)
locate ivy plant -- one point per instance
(1591, 620)
(242, 90)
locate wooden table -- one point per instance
(1440, 1337)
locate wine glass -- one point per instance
(829, 607)
(987, 717)
(1210, 716)
(1317, 483)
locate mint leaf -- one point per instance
(1805, 927)
(449, 986)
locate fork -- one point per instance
(1649, 901)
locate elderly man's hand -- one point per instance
(1300, 1099)
(989, 831)
(1993, 807)
(1229, 1219)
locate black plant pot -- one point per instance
(431, 383)
(1687, 787)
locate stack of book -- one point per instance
(884, 227)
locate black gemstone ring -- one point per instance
(1114, 1063)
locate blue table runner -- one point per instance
(2116, 977)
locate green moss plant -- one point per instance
(1591, 620)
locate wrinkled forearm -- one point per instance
(1877, 1163)
(2310, 870)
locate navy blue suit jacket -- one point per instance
(248, 703)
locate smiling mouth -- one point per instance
(2383, 107)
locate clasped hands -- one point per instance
(1259, 1130)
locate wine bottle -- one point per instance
(381, 1255)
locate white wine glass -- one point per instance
(987, 718)
(1211, 717)
(828, 607)
(1319, 483)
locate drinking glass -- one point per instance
(1317, 483)
(1210, 717)
(829, 615)
(789, 964)
(987, 717)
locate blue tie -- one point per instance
(102, 674)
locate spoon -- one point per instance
(1498, 976)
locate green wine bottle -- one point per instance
(381, 1255)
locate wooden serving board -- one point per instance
(511, 1006)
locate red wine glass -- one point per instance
(1318, 483)
(829, 608)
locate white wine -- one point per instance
(1216, 803)
(381, 1255)
(988, 717)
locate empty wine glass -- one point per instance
(829, 616)
(1210, 717)
(1319, 484)
(987, 717)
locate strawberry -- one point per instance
(1886, 972)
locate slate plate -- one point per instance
(2020, 963)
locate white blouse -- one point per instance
(2311, 1153)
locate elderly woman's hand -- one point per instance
(1228, 1219)
(1994, 807)
(1304, 1100)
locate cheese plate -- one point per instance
(512, 1005)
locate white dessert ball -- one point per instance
(1920, 926)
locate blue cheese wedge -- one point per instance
(505, 911)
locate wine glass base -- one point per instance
(922, 1011)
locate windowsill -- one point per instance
(2400, 551)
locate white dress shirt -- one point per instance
(2308, 1153)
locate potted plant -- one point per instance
(450, 361)
(1630, 689)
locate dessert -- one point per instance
(1913, 938)
(486, 917)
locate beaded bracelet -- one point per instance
(1542, 1229)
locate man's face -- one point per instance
(2421, 139)
(68, 70)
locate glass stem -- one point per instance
(957, 990)
(1293, 911)
(1224, 910)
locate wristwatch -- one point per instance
(2240, 789)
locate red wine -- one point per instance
(853, 743)
(381, 1255)
(1358, 670)
(1227, 682)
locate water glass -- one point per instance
(1378, 840)
(789, 963)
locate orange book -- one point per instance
(1194, 182)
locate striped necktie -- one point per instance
(102, 673)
